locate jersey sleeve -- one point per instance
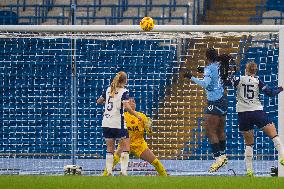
(144, 118)
(269, 91)
(125, 96)
(206, 80)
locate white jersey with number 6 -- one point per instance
(113, 115)
(248, 94)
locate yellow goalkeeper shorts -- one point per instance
(138, 147)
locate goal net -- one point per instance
(50, 82)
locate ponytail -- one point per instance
(224, 62)
(211, 54)
(118, 81)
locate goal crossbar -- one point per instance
(136, 28)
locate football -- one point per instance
(147, 23)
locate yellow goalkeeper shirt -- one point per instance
(135, 127)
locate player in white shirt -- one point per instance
(116, 99)
(250, 113)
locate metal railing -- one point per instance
(199, 10)
(116, 13)
(261, 8)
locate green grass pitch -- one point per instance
(139, 182)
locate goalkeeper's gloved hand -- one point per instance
(187, 74)
(148, 125)
(200, 69)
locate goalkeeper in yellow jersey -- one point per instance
(138, 145)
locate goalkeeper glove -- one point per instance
(200, 69)
(148, 125)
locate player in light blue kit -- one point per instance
(250, 113)
(216, 110)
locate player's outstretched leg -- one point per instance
(159, 167)
(279, 147)
(270, 130)
(220, 161)
(150, 157)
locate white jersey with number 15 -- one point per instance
(113, 115)
(248, 94)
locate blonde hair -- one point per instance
(118, 81)
(251, 68)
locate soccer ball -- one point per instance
(147, 23)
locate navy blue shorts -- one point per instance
(247, 120)
(115, 133)
(218, 107)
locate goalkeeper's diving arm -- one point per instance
(148, 125)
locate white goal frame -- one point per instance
(175, 28)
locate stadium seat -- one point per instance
(8, 18)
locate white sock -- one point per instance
(124, 159)
(279, 146)
(248, 157)
(109, 162)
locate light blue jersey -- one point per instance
(211, 82)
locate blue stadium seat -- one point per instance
(8, 18)
(275, 5)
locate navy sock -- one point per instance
(216, 149)
(222, 145)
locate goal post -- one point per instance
(281, 95)
(154, 59)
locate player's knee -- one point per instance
(125, 145)
(110, 150)
(269, 126)
(270, 130)
(124, 154)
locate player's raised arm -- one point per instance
(101, 99)
(148, 125)
(270, 91)
(206, 80)
(203, 83)
(128, 108)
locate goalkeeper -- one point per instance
(138, 145)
